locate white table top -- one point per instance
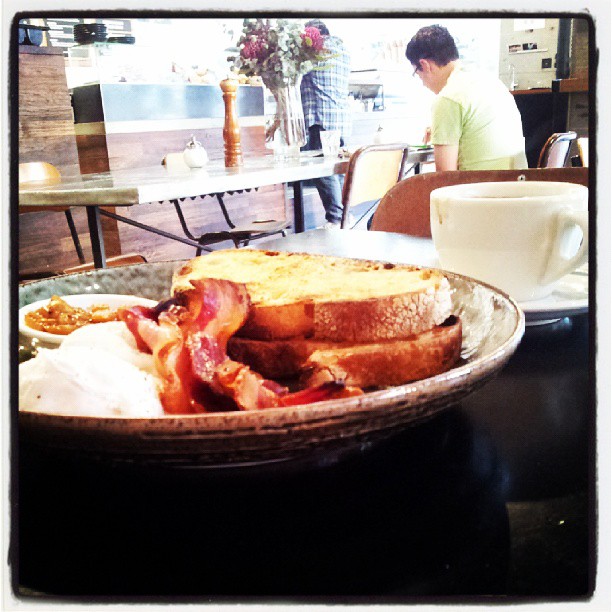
(157, 183)
(358, 244)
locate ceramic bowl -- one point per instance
(37, 339)
(493, 325)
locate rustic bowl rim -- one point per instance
(248, 419)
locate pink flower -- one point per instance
(313, 38)
(252, 49)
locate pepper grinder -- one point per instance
(231, 128)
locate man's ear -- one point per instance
(425, 65)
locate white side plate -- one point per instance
(47, 340)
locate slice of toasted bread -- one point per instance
(391, 362)
(326, 298)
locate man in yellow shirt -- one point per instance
(475, 124)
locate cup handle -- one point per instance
(558, 266)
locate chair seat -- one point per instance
(259, 227)
(245, 233)
(118, 260)
(26, 276)
(239, 234)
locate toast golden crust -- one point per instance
(326, 298)
(386, 363)
(385, 318)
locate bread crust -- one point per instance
(302, 295)
(384, 318)
(366, 365)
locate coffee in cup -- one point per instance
(519, 236)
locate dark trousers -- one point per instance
(329, 187)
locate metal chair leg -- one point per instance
(75, 236)
(224, 211)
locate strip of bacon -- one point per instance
(188, 337)
(159, 333)
(334, 389)
(251, 391)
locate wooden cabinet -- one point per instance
(46, 120)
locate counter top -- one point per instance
(537, 90)
(571, 85)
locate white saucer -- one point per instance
(570, 297)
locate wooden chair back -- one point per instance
(405, 208)
(371, 172)
(39, 173)
(555, 152)
(583, 151)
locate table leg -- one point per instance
(96, 236)
(298, 207)
(75, 236)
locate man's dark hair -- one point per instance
(434, 43)
(317, 23)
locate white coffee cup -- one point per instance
(519, 236)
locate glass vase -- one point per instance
(286, 130)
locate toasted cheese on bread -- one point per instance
(383, 363)
(326, 298)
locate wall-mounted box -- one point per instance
(521, 53)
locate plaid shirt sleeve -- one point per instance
(325, 92)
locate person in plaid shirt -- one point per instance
(325, 103)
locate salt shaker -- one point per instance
(379, 137)
(195, 155)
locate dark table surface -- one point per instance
(494, 497)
